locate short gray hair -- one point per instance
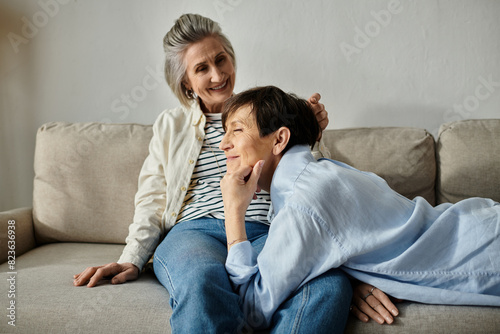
(188, 29)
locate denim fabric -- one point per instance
(190, 261)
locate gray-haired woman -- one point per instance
(179, 213)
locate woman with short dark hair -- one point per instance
(326, 214)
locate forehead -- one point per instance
(207, 48)
(242, 115)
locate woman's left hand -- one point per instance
(370, 302)
(319, 111)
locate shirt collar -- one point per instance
(291, 165)
(196, 113)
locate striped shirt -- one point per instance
(204, 197)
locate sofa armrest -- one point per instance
(23, 233)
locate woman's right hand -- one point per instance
(239, 187)
(118, 272)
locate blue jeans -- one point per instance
(189, 263)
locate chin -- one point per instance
(227, 95)
(231, 167)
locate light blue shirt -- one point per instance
(326, 214)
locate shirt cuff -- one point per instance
(134, 255)
(241, 262)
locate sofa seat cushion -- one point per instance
(468, 157)
(422, 318)
(47, 302)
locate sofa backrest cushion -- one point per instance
(86, 179)
(404, 157)
(468, 158)
(86, 173)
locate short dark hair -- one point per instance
(272, 109)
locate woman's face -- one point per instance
(243, 145)
(209, 73)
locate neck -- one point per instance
(266, 176)
(210, 109)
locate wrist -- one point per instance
(235, 241)
(235, 229)
(234, 216)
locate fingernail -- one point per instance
(395, 312)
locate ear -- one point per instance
(281, 137)
(185, 83)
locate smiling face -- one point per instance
(244, 146)
(209, 73)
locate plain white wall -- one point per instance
(375, 62)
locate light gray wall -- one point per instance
(375, 62)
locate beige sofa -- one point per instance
(85, 180)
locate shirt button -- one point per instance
(200, 139)
(173, 214)
(191, 161)
(183, 188)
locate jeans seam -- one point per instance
(300, 312)
(172, 295)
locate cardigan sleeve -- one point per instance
(320, 150)
(150, 200)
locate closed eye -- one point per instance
(201, 69)
(220, 60)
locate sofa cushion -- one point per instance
(422, 318)
(47, 302)
(468, 158)
(404, 157)
(86, 179)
